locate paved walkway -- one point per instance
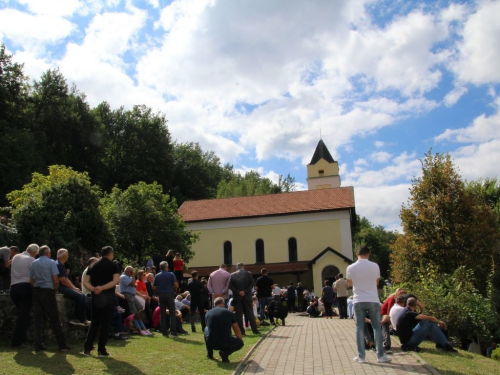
(323, 346)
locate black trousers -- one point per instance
(22, 296)
(244, 306)
(342, 301)
(44, 300)
(290, 304)
(167, 300)
(231, 345)
(102, 318)
(197, 303)
(4, 277)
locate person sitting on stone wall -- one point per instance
(69, 290)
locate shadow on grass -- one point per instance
(115, 366)
(184, 340)
(57, 364)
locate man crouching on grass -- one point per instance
(218, 331)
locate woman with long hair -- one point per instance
(170, 260)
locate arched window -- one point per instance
(292, 249)
(259, 251)
(228, 253)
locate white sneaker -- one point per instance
(360, 360)
(144, 333)
(384, 358)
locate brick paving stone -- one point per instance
(307, 346)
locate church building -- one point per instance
(301, 236)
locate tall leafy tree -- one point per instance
(60, 209)
(144, 221)
(445, 225)
(252, 183)
(20, 155)
(137, 147)
(196, 173)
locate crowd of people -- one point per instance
(114, 301)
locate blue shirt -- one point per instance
(165, 282)
(125, 285)
(62, 269)
(42, 271)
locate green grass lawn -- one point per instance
(460, 363)
(138, 355)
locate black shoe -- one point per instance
(65, 348)
(223, 356)
(39, 348)
(86, 353)
(166, 334)
(211, 357)
(174, 334)
(256, 332)
(102, 354)
(193, 329)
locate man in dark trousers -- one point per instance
(196, 288)
(101, 279)
(241, 284)
(45, 281)
(264, 288)
(300, 297)
(166, 283)
(218, 331)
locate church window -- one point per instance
(259, 251)
(228, 253)
(292, 249)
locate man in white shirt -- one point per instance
(364, 277)
(21, 293)
(396, 310)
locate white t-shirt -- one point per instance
(20, 268)
(394, 314)
(364, 275)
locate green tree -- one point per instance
(445, 226)
(20, 155)
(137, 147)
(144, 221)
(252, 183)
(196, 173)
(60, 210)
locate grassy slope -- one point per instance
(463, 363)
(138, 355)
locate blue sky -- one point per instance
(256, 81)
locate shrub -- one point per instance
(496, 354)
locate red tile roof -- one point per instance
(267, 205)
(272, 268)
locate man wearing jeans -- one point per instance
(413, 328)
(364, 276)
(166, 283)
(264, 288)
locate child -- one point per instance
(135, 323)
(255, 306)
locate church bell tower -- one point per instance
(322, 171)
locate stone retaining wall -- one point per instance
(8, 312)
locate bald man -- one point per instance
(129, 289)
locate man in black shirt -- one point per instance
(264, 288)
(413, 328)
(101, 279)
(196, 289)
(218, 331)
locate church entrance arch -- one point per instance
(329, 273)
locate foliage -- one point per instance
(488, 190)
(454, 299)
(60, 210)
(252, 184)
(495, 354)
(143, 221)
(445, 226)
(378, 239)
(196, 173)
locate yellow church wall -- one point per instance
(328, 259)
(330, 169)
(312, 238)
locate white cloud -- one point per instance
(19, 28)
(379, 144)
(479, 52)
(381, 157)
(454, 96)
(60, 8)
